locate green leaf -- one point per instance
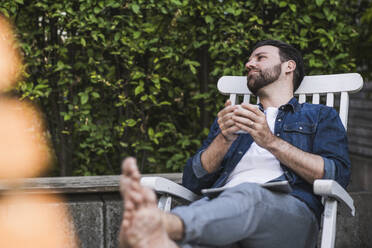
(95, 94)
(131, 122)
(139, 89)
(83, 42)
(135, 8)
(150, 132)
(192, 68)
(319, 2)
(307, 19)
(117, 36)
(84, 98)
(293, 7)
(208, 19)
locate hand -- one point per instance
(250, 118)
(226, 123)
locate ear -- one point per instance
(290, 66)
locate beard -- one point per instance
(263, 78)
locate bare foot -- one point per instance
(142, 225)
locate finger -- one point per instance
(226, 126)
(244, 128)
(251, 107)
(244, 121)
(227, 103)
(228, 117)
(225, 111)
(233, 129)
(245, 114)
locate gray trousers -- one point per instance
(248, 215)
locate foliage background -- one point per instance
(117, 78)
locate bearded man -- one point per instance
(282, 140)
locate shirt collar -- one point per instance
(292, 105)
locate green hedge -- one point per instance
(117, 78)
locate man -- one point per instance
(284, 140)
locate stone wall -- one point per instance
(96, 209)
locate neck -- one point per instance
(275, 94)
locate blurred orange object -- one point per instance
(24, 143)
(10, 56)
(35, 221)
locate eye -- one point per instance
(260, 57)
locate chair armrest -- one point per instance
(163, 185)
(330, 188)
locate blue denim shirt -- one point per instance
(313, 128)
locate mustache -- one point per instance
(253, 69)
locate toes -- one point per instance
(124, 185)
(130, 169)
(136, 197)
(129, 205)
(149, 197)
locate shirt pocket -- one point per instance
(300, 134)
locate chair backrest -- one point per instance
(314, 86)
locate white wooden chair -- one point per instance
(314, 87)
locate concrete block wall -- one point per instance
(96, 208)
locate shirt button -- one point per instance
(240, 152)
(278, 134)
(279, 119)
(281, 108)
(300, 128)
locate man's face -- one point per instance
(264, 68)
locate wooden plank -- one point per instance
(88, 184)
(360, 114)
(360, 140)
(360, 150)
(359, 123)
(361, 104)
(365, 132)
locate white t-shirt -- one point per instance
(257, 165)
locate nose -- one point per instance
(250, 64)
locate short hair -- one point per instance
(287, 52)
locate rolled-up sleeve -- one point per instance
(329, 169)
(197, 165)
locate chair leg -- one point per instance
(329, 224)
(165, 203)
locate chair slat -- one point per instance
(302, 98)
(233, 99)
(246, 98)
(330, 99)
(344, 108)
(316, 98)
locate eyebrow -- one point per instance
(258, 54)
